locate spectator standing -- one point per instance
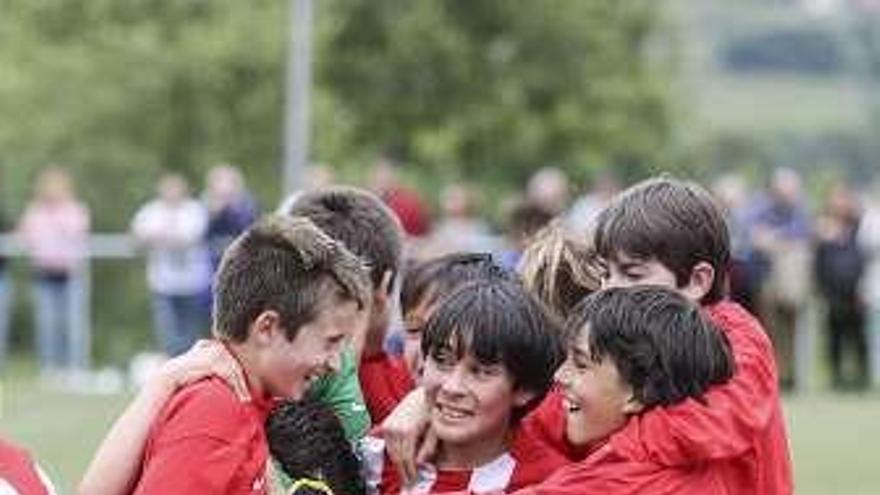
(172, 228)
(869, 241)
(54, 229)
(5, 295)
(748, 266)
(780, 231)
(839, 266)
(403, 201)
(582, 215)
(460, 229)
(550, 190)
(231, 209)
(524, 220)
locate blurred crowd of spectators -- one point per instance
(787, 252)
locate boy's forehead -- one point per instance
(342, 313)
(621, 257)
(463, 348)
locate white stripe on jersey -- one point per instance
(490, 477)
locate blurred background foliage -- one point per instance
(487, 91)
(118, 90)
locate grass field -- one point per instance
(834, 438)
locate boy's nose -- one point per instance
(454, 382)
(562, 375)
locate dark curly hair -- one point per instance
(307, 440)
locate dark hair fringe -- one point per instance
(498, 321)
(660, 342)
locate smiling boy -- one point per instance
(634, 351)
(671, 233)
(286, 299)
(490, 351)
(386, 379)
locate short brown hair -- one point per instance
(433, 279)
(358, 219)
(559, 270)
(676, 222)
(288, 265)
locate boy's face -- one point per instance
(596, 399)
(628, 271)
(290, 367)
(470, 402)
(414, 325)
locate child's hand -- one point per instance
(408, 440)
(205, 358)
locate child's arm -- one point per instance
(408, 440)
(729, 420)
(116, 463)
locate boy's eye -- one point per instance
(335, 341)
(581, 361)
(444, 358)
(486, 370)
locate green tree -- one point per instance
(490, 90)
(118, 90)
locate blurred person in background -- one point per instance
(839, 265)
(524, 220)
(172, 227)
(549, 189)
(780, 231)
(317, 176)
(460, 229)
(869, 241)
(586, 208)
(54, 230)
(231, 208)
(748, 266)
(403, 201)
(5, 299)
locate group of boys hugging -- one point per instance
(609, 365)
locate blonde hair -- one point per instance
(559, 270)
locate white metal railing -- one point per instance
(100, 246)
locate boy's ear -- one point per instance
(522, 397)
(633, 406)
(381, 294)
(385, 284)
(265, 327)
(700, 282)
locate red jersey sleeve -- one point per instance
(535, 460)
(606, 473)
(732, 416)
(206, 441)
(196, 465)
(385, 381)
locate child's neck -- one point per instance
(242, 353)
(471, 454)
